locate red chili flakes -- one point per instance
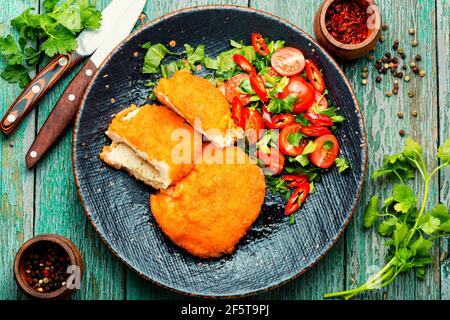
(346, 21)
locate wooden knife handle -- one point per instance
(37, 88)
(61, 116)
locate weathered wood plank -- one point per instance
(136, 287)
(443, 51)
(16, 182)
(365, 249)
(58, 210)
(328, 274)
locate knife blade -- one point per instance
(59, 66)
(66, 108)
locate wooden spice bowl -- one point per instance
(43, 242)
(348, 51)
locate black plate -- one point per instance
(273, 251)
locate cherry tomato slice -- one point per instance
(320, 103)
(285, 146)
(259, 44)
(326, 152)
(314, 76)
(257, 83)
(282, 120)
(232, 89)
(288, 61)
(267, 117)
(315, 131)
(236, 111)
(243, 63)
(253, 124)
(317, 119)
(273, 161)
(297, 198)
(303, 90)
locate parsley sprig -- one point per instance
(56, 29)
(410, 227)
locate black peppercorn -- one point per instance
(378, 79)
(418, 57)
(416, 70)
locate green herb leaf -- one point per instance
(405, 198)
(153, 58)
(310, 148)
(444, 152)
(412, 148)
(429, 224)
(421, 247)
(295, 138)
(8, 46)
(387, 227)
(211, 63)
(49, 5)
(59, 42)
(236, 44)
(16, 74)
(441, 212)
(195, 56)
(225, 59)
(342, 164)
(371, 214)
(400, 233)
(302, 159)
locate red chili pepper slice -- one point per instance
(297, 198)
(282, 120)
(315, 131)
(267, 118)
(314, 76)
(259, 44)
(320, 120)
(236, 111)
(243, 63)
(294, 181)
(257, 83)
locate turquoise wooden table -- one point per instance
(45, 199)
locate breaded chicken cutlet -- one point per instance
(195, 98)
(210, 210)
(142, 144)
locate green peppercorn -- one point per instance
(412, 31)
(422, 73)
(411, 94)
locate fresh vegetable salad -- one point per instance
(280, 100)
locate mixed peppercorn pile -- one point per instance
(46, 268)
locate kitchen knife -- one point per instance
(59, 66)
(67, 106)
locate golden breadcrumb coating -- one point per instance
(210, 210)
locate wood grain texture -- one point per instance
(350, 261)
(365, 249)
(328, 274)
(58, 210)
(16, 183)
(443, 74)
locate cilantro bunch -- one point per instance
(55, 29)
(409, 227)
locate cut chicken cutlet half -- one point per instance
(201, 104)
(146, 142)
(209, 211)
